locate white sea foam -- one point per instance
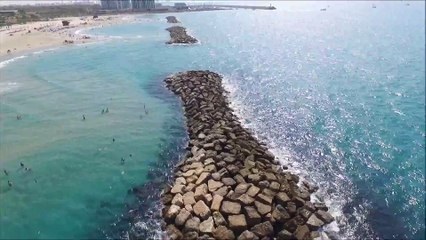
(6, 62)
(8, 87)
(78, 32)
(44, 51)
(116, 37)
(398, 112)
(185, 44)
(336, 201)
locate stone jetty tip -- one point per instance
(172, 19)
(178, 35)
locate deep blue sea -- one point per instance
(338, 95)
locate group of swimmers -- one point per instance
(106, 110)
(22, 167)
(124, 160)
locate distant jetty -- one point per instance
(229, 186)
(178, 35)
(243, 7)
(172, 19)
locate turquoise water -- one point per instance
(337, 95)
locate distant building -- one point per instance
(115, 4)
(127, 4)
(143, 4)
(181, 6)
(8, 12)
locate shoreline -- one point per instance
(38, 36)
(229, 185)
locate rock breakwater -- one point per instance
(229, 186)
(178, 35)
(172, 19)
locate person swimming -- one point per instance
(130, 155)
(5, 172)
(122, 160)
(9, 183)
(22, 165)
(103, 111)
(84, 117)
(107, 110)
(113, 139)
(18, 117)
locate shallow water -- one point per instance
(338, 95)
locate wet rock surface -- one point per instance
(230, 186)
(178, 34)
(172, 19)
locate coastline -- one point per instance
(39, 36)
(243, 191)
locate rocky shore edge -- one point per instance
(229, 186)
(172, 19)
(178, 35)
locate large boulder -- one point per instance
(188, 198)
(263, 209)
(178, 200)
(237, 222)
(214, 185)
(230, 207)
(247, 235)
(253, 217)
(207, 226)
(302, 233)
(182, 217)
(217, 200)
(201, 210)
(324, 216)
(223, 233)
(173, 233)
(314, 222)
(192, 224)
(172, 212)
(219, 219)
(263, 229)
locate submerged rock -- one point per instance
(172, 19)
(178, 34)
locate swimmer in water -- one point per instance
(113, 139)
(122, 160)
(9, 183)
(84, 117)
(22, 165)
(107, 110)
(103, 111)
(5, 172)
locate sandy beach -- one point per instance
(17, 39)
